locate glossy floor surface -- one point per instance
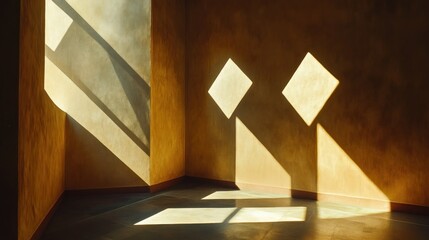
(196, 211)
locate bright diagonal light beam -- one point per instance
(69, 98)
(255, 165)
(338, 174)
(57, 24)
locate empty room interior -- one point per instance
(215, 119)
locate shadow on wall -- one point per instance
(97, 71)
(97, 164)
(308, 90)
(374, 120)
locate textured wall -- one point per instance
(168, 91)
(369, 139)
(41, 128)
(94, 169)
(98, 71)
(125, 25)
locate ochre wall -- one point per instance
(167, 132)
(97, 64)
(41, 128)
(370, 138)
(98, 72)
(89, 169)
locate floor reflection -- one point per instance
(191, 215)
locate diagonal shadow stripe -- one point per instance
(103, 43)
(51, 55)
(227, 219)
(140, 103)
(117, 60)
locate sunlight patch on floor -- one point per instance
(229, 215)
(239, 194)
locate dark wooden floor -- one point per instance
(195, 211)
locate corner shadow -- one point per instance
(89, 164)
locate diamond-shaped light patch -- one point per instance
(309, 88)
(229, 88)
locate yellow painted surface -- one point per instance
(167, 129)
(377, 113)
(89, 169)
(254, 164)
(124, 25)
(41, 128)
(98, 73)
(75, 103)
(373, 143)
(338, 174)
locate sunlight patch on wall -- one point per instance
(56, 25)
(338, 174)
(240, 194)
(309, 88)
(69, 98)
(255, 164)
(220, 215)
(123, 34)
(229, 87)
(106, 81)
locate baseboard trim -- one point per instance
(394, 206)
(220, 183)
(132, 189)
(409, 208)
(167, 184)
(90, 191)
(353, 200)
(264, 188)
(304, 194)
(44, 224)
(327, 197)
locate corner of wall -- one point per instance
(167, 91)
(41, 128)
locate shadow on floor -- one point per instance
(205, 211)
